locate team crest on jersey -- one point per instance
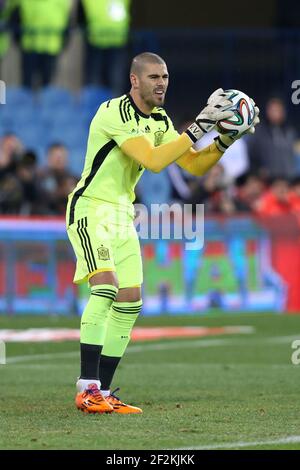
(103, 253)
(158, 137)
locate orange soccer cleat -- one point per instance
(92, 401)
(119, 406)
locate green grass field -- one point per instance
(237, 391)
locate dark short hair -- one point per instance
(139, 61)
(55, 145)
(278, 179)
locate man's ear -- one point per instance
(134, 80)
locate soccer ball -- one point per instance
(243, 116)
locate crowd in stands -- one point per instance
(28, 189)
(42, 30)
(42, 151)
(259, 174)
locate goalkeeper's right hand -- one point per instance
(216, 109)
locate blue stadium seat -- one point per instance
(13, 116)
(91, 97)
(75, 138)
(72, 134)
(25, 114)
(3, 130)
(18, 96)
(76, 159)
(46, 115)
(84, 116)
(71, 116)
(6, 116)
(41, 151)
(54, 116)
(53, 97)
(61, 114)
(30, 134)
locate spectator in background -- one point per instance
(235, 160)
(68, 183)
(11, 189)
(275, 201)
(10, 151)
(271, 150)
(211, 190)
(26, 172)
(294, 194)
(187, 187)
(41, 27)
(11, 195)
(106, 26)
(248, 190)
(55, 181)
(180, 182)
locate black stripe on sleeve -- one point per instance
(128, 109)
(124, 110)
(121, 111)
(125, 107)
(137, 117)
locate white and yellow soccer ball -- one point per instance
(244, 114)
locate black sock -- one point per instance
(89, 360)
(107, 368)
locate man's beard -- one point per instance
(150, 101)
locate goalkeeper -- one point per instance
(127, 135)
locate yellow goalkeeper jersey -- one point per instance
(109, 176)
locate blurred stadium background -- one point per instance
(251, 258)
(250, 263)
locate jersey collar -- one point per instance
(137, 110)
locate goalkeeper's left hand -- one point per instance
(224, 141)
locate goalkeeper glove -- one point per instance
(224, 141)
(216, 109)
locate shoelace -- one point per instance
(113, 394)
(95, 392)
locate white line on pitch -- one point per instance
(204, 343)
(131, 349)
(29, 357)
(235, 445)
